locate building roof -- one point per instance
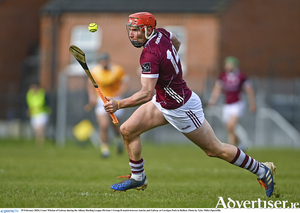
(119, 6)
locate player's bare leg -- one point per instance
(146, 117)
(205, 138)
(230, 126)
(117, 139)
(39, 136)
(103, 121)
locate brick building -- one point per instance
(263, 34)
(19, 40)
(194, 22)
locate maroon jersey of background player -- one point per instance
(232, 84)
(160, 59)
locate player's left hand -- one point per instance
(111, 105)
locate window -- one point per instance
(89, 42)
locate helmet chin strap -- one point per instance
(146, 32)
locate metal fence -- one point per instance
(276, 123)
(267, 127)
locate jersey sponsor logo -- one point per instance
(189, 126)
(146, 68)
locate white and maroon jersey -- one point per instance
(232, 84)
(160, 59)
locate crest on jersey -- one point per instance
(146, 68)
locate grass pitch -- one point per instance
(179, 176)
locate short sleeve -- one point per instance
(165, 32)
(219, 80)
(244, 78)
(150, 65)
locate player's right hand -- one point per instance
(111, 105)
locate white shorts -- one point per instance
(39, 120)
(186, 118)
(235, 109)
(99, 109)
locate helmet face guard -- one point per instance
(140, 21)
(139, 42)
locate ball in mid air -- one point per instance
(93, 27)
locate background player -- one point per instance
(38, 111)
(173, 103)
(232, 82)
(113, 82)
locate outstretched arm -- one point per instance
(137, 99)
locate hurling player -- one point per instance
(172, 103)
